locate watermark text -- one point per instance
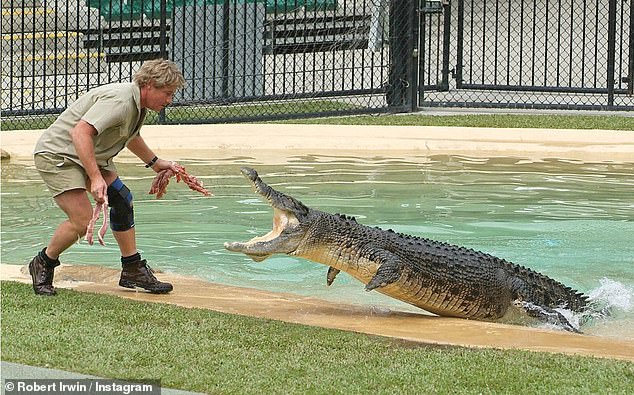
(80, 387)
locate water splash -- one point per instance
(611, 296)
(619, 295)
(608, 304)
(608, 309)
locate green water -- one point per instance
(570, 220)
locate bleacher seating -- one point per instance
(315, 34)
(132, 29)
(132, 32)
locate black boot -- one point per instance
(42, 275)
(139, 274)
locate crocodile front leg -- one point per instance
(330, 276)
(389, 270)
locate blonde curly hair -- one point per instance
(159, 73)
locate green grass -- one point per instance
(211, 352)
(187, 114)
(603, 122)
(177, 115)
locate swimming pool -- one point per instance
(571, 220)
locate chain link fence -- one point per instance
(247, 60)
(564, 54)
(242, 59)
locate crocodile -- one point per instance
(438, 277)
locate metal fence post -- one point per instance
(630, 69)
(163, 29)
(412, 64)
(459, 44)
(163, 47)
(611, 51)
(420, 66)
(401, 51)
(226, 44)
(446, 41)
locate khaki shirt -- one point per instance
(115, 112)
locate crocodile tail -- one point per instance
(540, 289)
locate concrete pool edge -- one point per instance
(420, 328)
(276, 143)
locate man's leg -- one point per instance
(77, 207)
(135, 271)
(126, 241)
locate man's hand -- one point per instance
(159, 185)
(99, 189)
(162, 164)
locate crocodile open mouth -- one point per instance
(280, 238)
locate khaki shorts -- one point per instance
(60, 174)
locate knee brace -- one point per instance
(121, 209)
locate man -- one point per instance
(75, 156)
